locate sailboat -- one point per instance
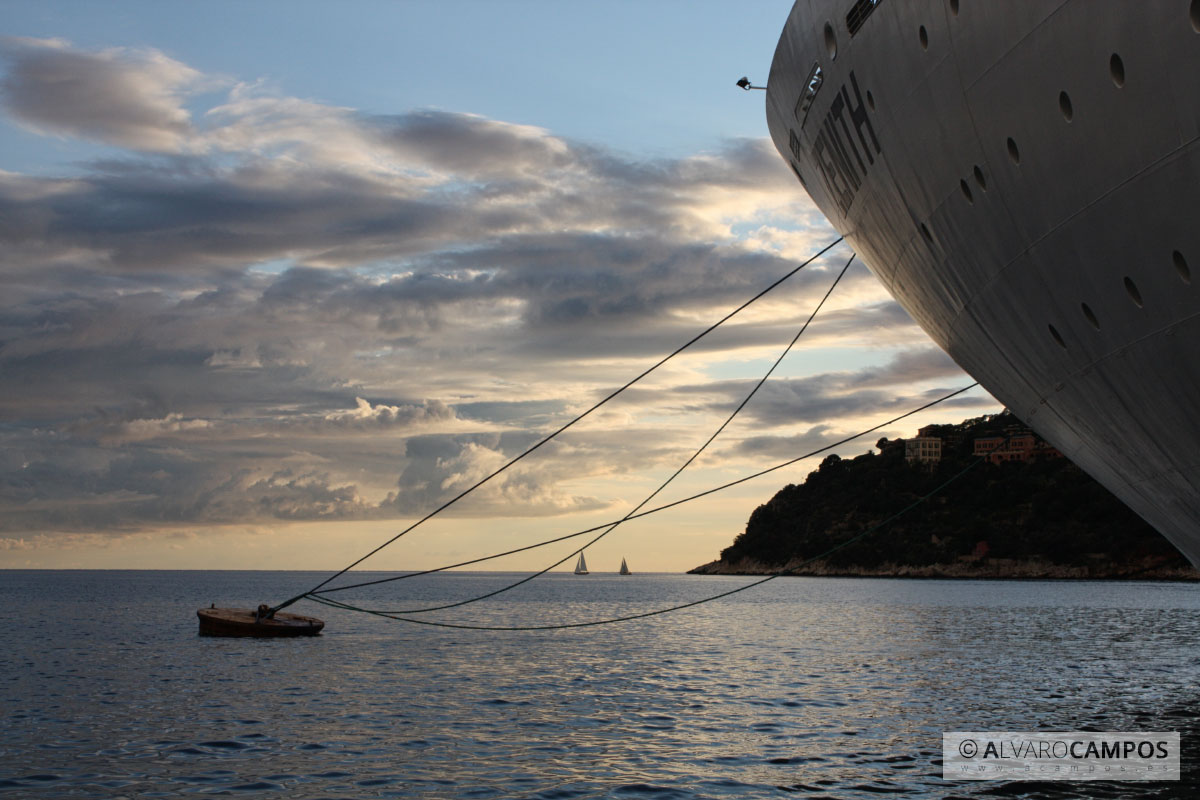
(581, 567)
(625, 567)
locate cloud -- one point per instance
(876, 390)
(367, 416)
(471, 147)
(441, 468)
(285, 495)
(144, 488)
(783, 448)
(171, 424)
(124, 97)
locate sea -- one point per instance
(810, 687)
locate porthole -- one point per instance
(1194, 13)
(830, 42)
(966, 190)
(1116, 68)
(1090, 315)
(1013, 152)
(1181, 265)
(1064, 105)
(1057, 338)
(870, 100)
(925, 232)
(979, 178)
(1132, 289)
(924, 38)
(954, 7)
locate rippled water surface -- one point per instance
(816, 687)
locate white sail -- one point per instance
(581, 567)
(625, 567)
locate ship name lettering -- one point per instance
(838, 156)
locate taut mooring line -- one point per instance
(555, 433)
(610, 528)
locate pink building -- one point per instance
(1024, 446)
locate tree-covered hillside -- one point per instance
(1047, 512)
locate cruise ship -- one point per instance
(1024, 178)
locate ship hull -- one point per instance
(1025, 180)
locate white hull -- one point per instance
(1025, 180)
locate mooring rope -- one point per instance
(691, 459)
(564, 427)
(648, 512)
(660, 611)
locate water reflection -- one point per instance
(834, 688)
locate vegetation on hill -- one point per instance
(994, 521)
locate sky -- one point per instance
(278, 279)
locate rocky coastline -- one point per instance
(989, 569)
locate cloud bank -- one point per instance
(262, 308)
